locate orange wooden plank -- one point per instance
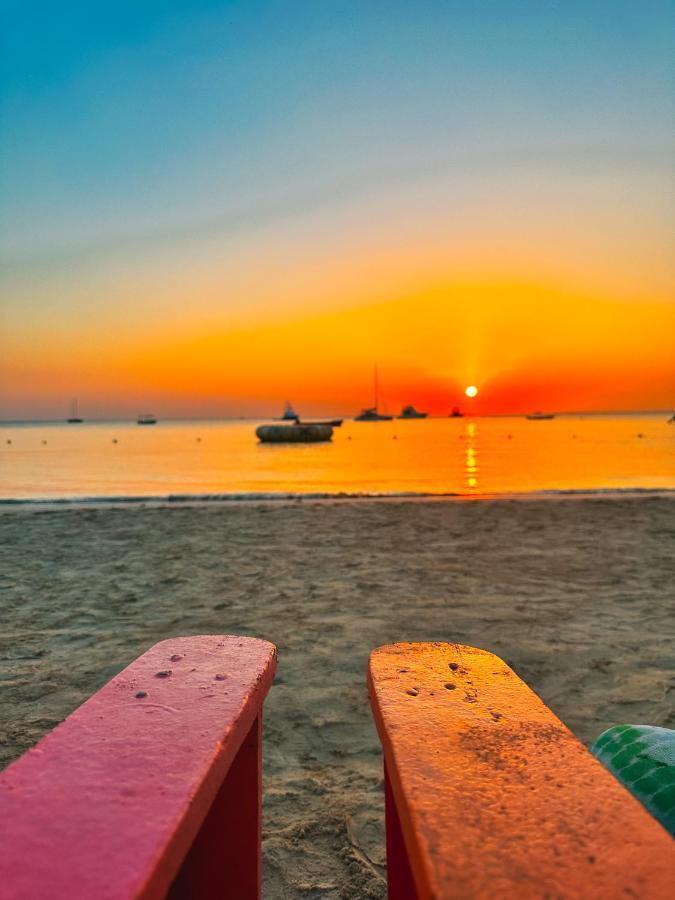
(494, 796)
(135, 783)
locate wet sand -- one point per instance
(576, 594)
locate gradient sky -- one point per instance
(208, 207)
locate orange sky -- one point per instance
(525, 346)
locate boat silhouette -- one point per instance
(372, 413)
(74, 416)
(289, 414)
(409, 412)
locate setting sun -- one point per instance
(471, 391)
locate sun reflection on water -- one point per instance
(471, 457)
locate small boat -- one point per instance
(74, 417)
(409, 412)
(289, 414)
(372, 413)
(297, 433)
(671, 420)
(540, 416)
(456, 413)
(146, 419)
(333, 423)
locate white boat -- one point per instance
(372, 413)
(146, 419)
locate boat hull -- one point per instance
(332, 423)
(377, 418)
(294, 434)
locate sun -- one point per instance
(471, 391)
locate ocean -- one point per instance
(222, 459)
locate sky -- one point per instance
(208, 208)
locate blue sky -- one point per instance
(132, 121)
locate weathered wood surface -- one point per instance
(152, 785)
(488, 794)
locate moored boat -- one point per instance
(289, 414)
(456, 413)
(146, 419)
(409, 412)
(333, 423)
(540, 416)
(74, 417)
(372, 413)
(298, 433)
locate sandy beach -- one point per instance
(575, 594)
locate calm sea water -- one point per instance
(470, 457)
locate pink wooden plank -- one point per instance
(488, 794)
(109, 803)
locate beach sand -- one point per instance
(575, 594)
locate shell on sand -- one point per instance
(287, 434)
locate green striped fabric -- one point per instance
(642, 757)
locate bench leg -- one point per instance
(224, 861)
(400, 882)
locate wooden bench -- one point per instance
(152, 788)
(488, 794)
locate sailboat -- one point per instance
(371, 413)
(74, 416)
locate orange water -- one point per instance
(460, 456)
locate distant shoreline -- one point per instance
(4, 423)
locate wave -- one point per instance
(285, 496)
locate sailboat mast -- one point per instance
(375, 391)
